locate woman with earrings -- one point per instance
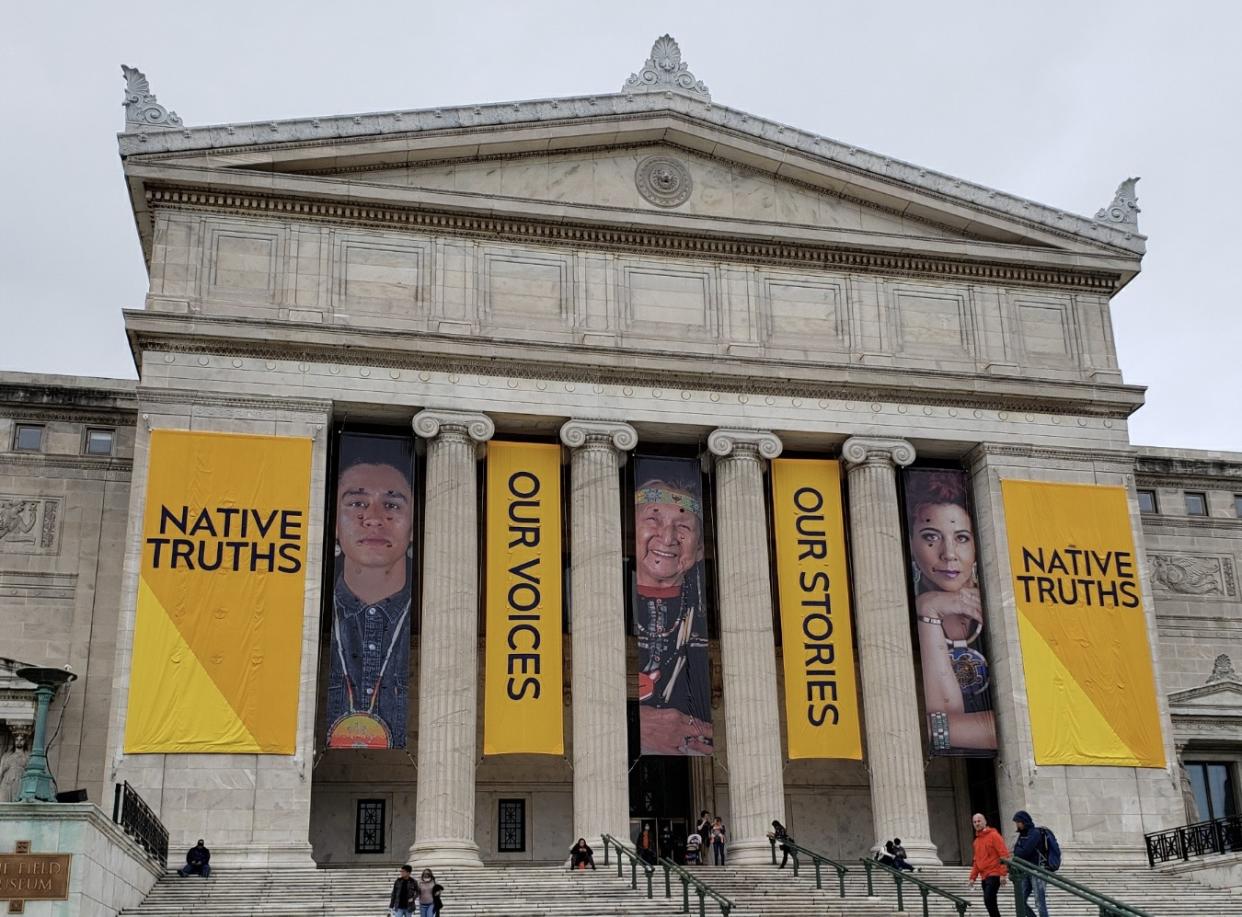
(368, 671)
(949, 612)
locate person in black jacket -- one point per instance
(404, 894)
(1030, 846)
(780, 835)
(197, 861)
(581, 854)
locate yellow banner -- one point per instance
(523, 712)
(821, 694)
(218, 635)
(1089, 680)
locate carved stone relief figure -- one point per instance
(1187, 574)
(1222, 670)
(1188, 793)
(17, 517)
(13, 765)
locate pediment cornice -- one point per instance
(351, 141)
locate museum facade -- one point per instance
(502, 474)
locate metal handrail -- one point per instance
(701, 888)
(1218, 835)
(925, 888)
(817, 858)
(136, 819)
(635, 862)
(1109, 907)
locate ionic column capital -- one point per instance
(865, 450)
(620, 437)
(432, 423)
(726, 442)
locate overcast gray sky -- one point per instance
(1055, 101)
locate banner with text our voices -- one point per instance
(821, 694)
(218, 630)
(1089, 680)
(522, 685)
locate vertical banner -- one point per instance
(1089, 681)
(523, 712)
(373, 590)
(670, 611)
(821, 693)
(217, 652)
(947, 606)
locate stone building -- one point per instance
(646, 271)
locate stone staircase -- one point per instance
(553, 891)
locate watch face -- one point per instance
(359, 730)
(971, 670)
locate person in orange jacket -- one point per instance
(987, 865)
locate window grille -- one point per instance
(512, 834)
(369, 834)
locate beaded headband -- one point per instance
(665, 495)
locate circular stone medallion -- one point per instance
(664, 181)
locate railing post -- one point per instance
(634, 874)
(685, 895)
(702, 910)
(794, 854)
(870, 887)
(818, 882)
(649, 870)
(841, 880)
(772, 844)
(923, 890)
(901, 902)
(668, 888)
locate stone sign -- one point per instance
(26, 876)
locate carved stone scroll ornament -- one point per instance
(1222, 670)
(619, 436)
(1191, 574)
(665, 70)
(479, 427)
(141, 108)
(1124, 209)
(858, 450)
(725, 441)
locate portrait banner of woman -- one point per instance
(369, 655)
(669, 608)
(948, 610)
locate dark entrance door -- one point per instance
(660, 797)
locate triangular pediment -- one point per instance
(1220, 698)
(656, 179)
(580, 161)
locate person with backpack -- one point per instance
(1039, 846)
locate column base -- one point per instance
(443, 852)
(746, 853)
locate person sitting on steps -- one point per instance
(581, 855)
(899, 855)
(197, 861)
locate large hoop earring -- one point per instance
(974, 572)
(336, 549)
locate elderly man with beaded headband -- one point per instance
(674, 685)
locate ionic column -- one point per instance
(882, 618)
(597, 590)
(448, 666)
(748, 652)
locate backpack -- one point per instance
(1052, 850)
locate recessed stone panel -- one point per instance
(243, 261)
(520, 289)
(378, 277)
(806, 313)
(1045, 327)
(669, 301)
(933, 322)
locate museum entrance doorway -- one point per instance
(661, 800)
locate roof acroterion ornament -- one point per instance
(665, 70)
(1124, 209)
(141, 108)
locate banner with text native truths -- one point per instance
(670, 608)
(1089, 680)
(523, 711)
(218, 631)
(821, 694)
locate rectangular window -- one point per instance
(1196, 504)
(1212, 785)
(511, 838)
(28, 437)
(1147, 501)
(369, 830)
(98, 442)
(1237, 505)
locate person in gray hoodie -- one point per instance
(1029, 846)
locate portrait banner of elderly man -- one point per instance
(369, 661)
(670, 608)
(948, 606)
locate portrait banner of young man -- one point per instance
(670, 610)
(372, 591)
(948, 608)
